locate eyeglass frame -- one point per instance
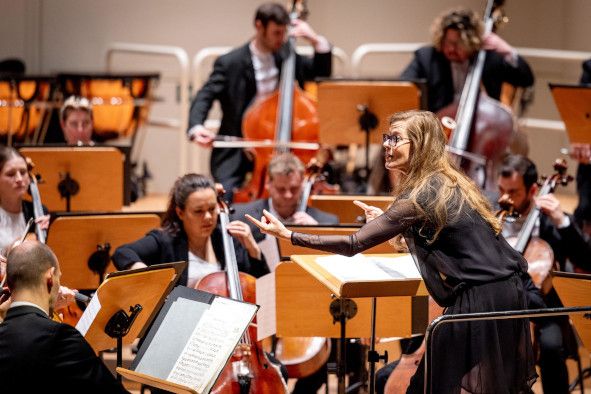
(392, 139)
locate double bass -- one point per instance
(484, 127)
(287, 115)
(249, 370)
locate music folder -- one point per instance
(192, 338)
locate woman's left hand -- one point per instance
(241, 231)
(43, 222)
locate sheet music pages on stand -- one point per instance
(369, 268)
(194, 339)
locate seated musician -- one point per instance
(15, 212)
(248, 72)
(190, 232)
(285, 185)
(37, 353)
(517, 179)
(76, 121)
(457, 37)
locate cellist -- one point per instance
(457, 36)
(247, 72)
(517, 180)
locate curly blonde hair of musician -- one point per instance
(465, 21)
(432, 173)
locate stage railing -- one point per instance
(182, 79)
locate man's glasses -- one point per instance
(392, 139)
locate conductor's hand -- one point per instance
(370, 211)
(202, 136)
(242, 233)
(269, 224)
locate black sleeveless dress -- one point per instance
(467, 269)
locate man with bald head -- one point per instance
(35, 351)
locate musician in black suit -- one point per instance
(517, 179)
(285, 186)
(246, 73)
(457, 38)
(37, 353)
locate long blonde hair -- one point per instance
(434, 185)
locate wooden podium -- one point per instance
(306, 298)
(75, 238)
(92, 176)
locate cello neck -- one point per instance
(469, 97)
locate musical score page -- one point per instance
(211, 343)
(364, 268)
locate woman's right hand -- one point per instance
(269, 224)
(370, 211)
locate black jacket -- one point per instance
(159, 247)
(433, 66)
(232, 83)
(36, 354)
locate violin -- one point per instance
(537, 252)
(288, 115)
(484, 126)
(249, 370)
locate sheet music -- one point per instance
(362, 268)
(90, 313)
(211, 343)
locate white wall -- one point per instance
(72, 35)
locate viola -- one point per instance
(484, 126)
(249, 370)
(287, 115)
(537, 252)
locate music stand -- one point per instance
(79, 239)
(105, 322)
(342, 205)
(574, 105)
(341, 101)
(79, 178)
(574, 290)
(303, 298)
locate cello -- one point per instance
(287, 115)
(249, 370)
(485, 127)
(537, 252)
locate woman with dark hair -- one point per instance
(14, 211)
(190, 232)
(465, 263)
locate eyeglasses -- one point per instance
(392, 140)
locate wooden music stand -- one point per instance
(574, 104)
(97, 173)
(342, 205)
(75, 238)
(575, 290)
(301, 298)
(338, 102)
(106, 322)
